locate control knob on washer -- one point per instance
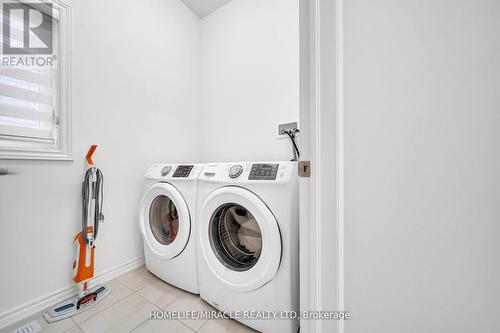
(235, 171)
(166, 170)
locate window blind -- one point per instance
(28, 98)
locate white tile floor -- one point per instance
(126, 309)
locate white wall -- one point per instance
(250, 79)
(135, 94)
(422, 165)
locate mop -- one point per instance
(84, 243)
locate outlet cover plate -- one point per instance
(289, 125)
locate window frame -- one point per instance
(35, 149)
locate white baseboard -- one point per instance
(41, 303)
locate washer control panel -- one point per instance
(263, 172)
(183, 171)
(235, 171)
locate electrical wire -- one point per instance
(291, 135)
(92, 190)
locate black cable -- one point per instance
(91, 191)
(98, 201)
(296, 153)
(85, 195)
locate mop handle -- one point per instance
(83, 266)
(92, 192)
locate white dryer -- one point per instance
(248, 242)
(167, 219)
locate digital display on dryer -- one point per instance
(263, 172)
(183, 171)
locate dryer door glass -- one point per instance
(163, 220)
(235, 237)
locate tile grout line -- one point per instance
(172, 301)
(76, 324)
(163, 309)
(147, 319)
(202, 326)
(136, 292)
(142, 322)
(121, 283)
(188, 326)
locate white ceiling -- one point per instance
(204, 7)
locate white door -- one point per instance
(165, 220)
(239, 238)
(413, 109)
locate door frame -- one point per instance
(322, 143)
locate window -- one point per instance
(35, 114)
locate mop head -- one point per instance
(75, 304)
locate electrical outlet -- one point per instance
(292, 125)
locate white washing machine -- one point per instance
(167, 218)
(248, 241)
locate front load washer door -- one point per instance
(239, 238)
(165, 220)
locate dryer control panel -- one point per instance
(183, 171)
(174, 171)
